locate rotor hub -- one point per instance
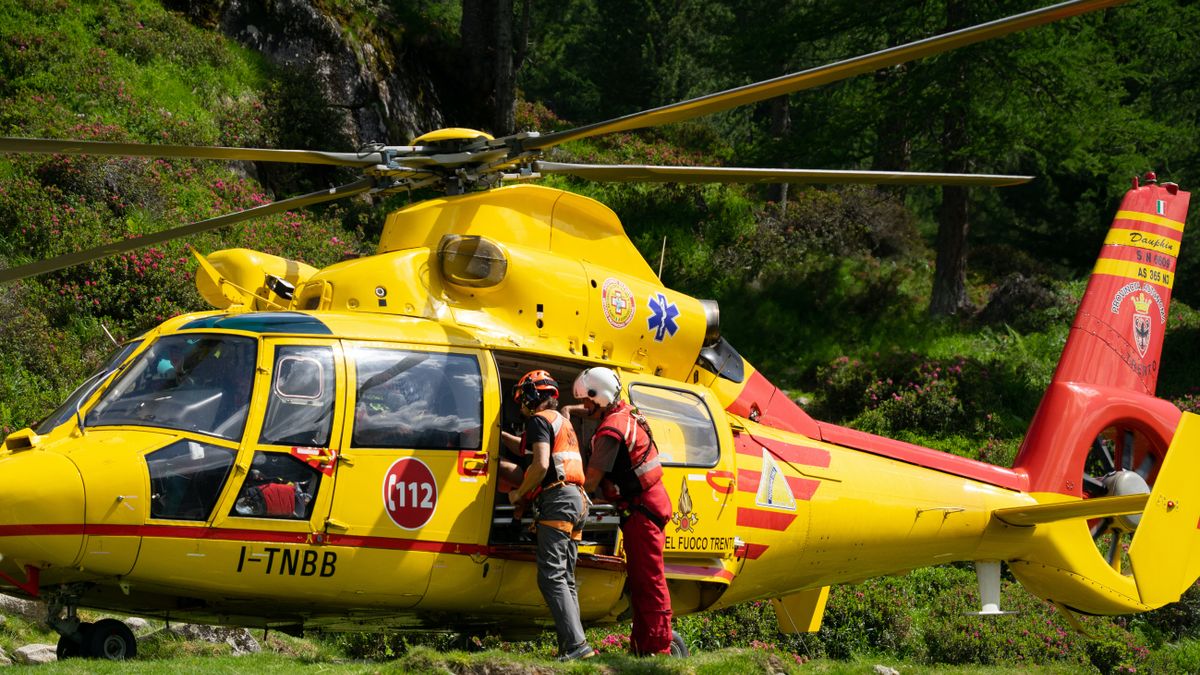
(1125, 482)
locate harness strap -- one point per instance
(553, 486)
(564, 526)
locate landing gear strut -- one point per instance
(105, 639)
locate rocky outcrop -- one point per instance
(380, 93)
(31, 610)
(36, 653)
(239, 639)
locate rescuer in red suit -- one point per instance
(624, 464)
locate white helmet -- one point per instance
(599, 384)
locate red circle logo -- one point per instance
(409, 493)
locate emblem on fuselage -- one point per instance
(1141, 323)
(617, 301)
(409, 493)
(662, 317)
(684, 518)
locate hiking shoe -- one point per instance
(584, 652)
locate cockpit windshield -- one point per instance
(192, 382)
(83, 392)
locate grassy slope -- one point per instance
(123, 71)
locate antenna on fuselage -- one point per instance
(110, 335)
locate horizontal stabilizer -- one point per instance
(1165, 553)
(1097, 507)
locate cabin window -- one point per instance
(300, 409)
(277, 486)
(409, 399)
(188, 382)
(682, 426)
(186, 478)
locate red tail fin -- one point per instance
(1117, 336)
(1104, 385)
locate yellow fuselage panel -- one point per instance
(575, 285)
(570, 226)
(247, 270)
(116, 486)
(321, 577)
(41, 515)
(814, 514)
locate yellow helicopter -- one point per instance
(322, 450)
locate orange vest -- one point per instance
(629, 427)
(566, 464)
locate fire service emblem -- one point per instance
(684, 518)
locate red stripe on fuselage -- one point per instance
(763, 402)
(764, 520)
(745, 444)
(755, 551)
(231, 534)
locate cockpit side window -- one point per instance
(681, 423)
(300, 410)
(277, 486)
(186, 478)
(409, 399)
(189, 382)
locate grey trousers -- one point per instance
(556, 557)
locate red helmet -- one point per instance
(535, 387)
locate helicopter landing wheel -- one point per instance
(679, 648)
(1122, 461)
(109, 639)
(71, 645)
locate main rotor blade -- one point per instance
(723, 174)
(58, 147)
(815, 77)
(32, 269)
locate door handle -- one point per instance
(472, 463)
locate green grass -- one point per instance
(425, 660)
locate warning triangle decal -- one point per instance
(773, 489)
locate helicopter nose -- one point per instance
(41, 509)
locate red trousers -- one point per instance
(648, 592)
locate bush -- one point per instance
(1176, 621)
(750, 624)
(1035, 635)
(875, 616)
(908, 392)
(389, 645)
